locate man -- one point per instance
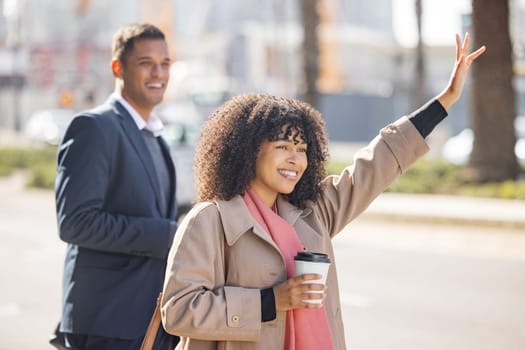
(115, 202)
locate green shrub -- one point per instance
(39, 162)
(14, 158)
(438, 177)
(335, 167)
(42, 176)
(506, 190)
(428, 176)
(23, 158)
(5, 170)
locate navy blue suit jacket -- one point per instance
(109, 213)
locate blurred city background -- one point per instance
(54, 54)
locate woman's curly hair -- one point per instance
(229, 144)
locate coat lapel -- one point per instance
(237, 220)
(289, 212)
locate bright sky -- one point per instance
(441, 21)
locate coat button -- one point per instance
(235, 319)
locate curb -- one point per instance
(444, 209)
(441, 220)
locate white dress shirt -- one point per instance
(154, 123)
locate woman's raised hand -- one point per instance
(459, 74)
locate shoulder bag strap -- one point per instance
(153, 327)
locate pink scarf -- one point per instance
(306, 329)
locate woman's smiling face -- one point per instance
(280, 165)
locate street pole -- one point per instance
(420, 88)
(12, 10)
(17, 90)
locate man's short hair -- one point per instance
(126, 36)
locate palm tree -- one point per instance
(310, 49)
(493, 101)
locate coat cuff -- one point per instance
(428, 117)
(268, 311)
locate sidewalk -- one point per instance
(451, 209)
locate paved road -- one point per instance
(403, 285)
(416, 286)
(31, 257)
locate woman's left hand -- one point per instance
(457, 79)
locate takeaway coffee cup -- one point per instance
(310, 262)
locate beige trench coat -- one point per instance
(221, 257)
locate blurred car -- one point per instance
(206, 86)
(181, 135)
(48, 125)
(457, 149)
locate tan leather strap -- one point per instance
(153, 327)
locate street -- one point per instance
(403, 285)
(416, 286)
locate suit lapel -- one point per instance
(136, 139)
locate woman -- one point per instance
(264, 196)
